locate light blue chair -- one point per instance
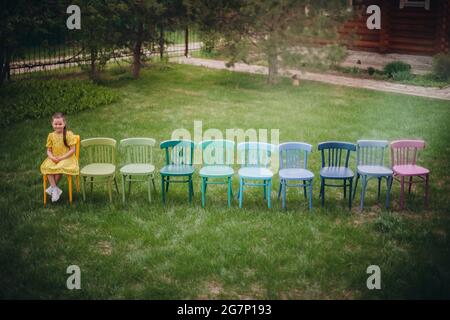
(335, 168)
(370, 165)
(179, 158)
(293, 167)
(255, 158)
(217, 157)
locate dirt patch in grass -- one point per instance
(105, 247)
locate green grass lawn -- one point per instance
(182, 251)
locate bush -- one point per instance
(396, 66)
(402, 76)
(31, 99)
(441, 67)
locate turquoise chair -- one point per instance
(217, 157)
(179, 158)
(137, 165)
(255, 158)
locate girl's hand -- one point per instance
(55, 159)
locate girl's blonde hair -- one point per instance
(60, 115)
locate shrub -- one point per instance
(370, 71)
(30, 99)
(441, 67)
(395, 67)
(402, 76)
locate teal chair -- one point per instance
(137, 165)
(179, 158)
(255, 158)
(217, 157)
(101, 167)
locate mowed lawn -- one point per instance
(182, 251)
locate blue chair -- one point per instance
(293, 164)
(217, 157)
(370, 164)
(255, 158)
(179, 158)
(335, 168)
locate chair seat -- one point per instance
(216, 171)
(410, 170)
(137, 169)
(374, 170)
(177, 170)
(336, 172)
(255, 173)
(98, 169)
(295, 174)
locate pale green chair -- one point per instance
(101, 167)
(217, 158)
(137, 163)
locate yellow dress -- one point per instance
(56, 143)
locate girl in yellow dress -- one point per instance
(61, 155)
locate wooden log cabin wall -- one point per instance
(409, 27)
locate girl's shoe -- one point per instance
(49, 190)
(56, 193)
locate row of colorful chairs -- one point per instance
(255, 157)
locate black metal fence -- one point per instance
(71, 54)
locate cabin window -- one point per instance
(416, 4)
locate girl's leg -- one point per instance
(51, 179)
(57, 178)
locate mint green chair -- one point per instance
(101, 167)
(179, 158)
(217, 157)
(137, 165)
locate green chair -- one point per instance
(179, 158)
(217, 157)
(101, 165)
(137, 163)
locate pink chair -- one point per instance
(404, 156)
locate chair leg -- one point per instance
(44, 183)
(230, 192)
(356, 185)
(426, 190)
(190, 189)
(410, 184)
(350, 195)
(402, 191)
(379, 188)
(163, 188)
(203, 191)
(129, 186)
(322, 190)
(389, 180)
(310, 194)
(304, 190)
(345, 188)
(269, 189)
(83, 188)
(153, 182)
(363, 191)
(265, 189)
(279, 191)
(167, 184)
(69, 182)
(283, 192)
(149, 189)
(77, 182)
(124, 177)
(110, 189)
(92, 184)
(241, 191)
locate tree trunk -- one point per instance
(161, 42)
(137, 52)
(5, 59)
(93, 74)
(273, 68)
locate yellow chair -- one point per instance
(69, 177)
